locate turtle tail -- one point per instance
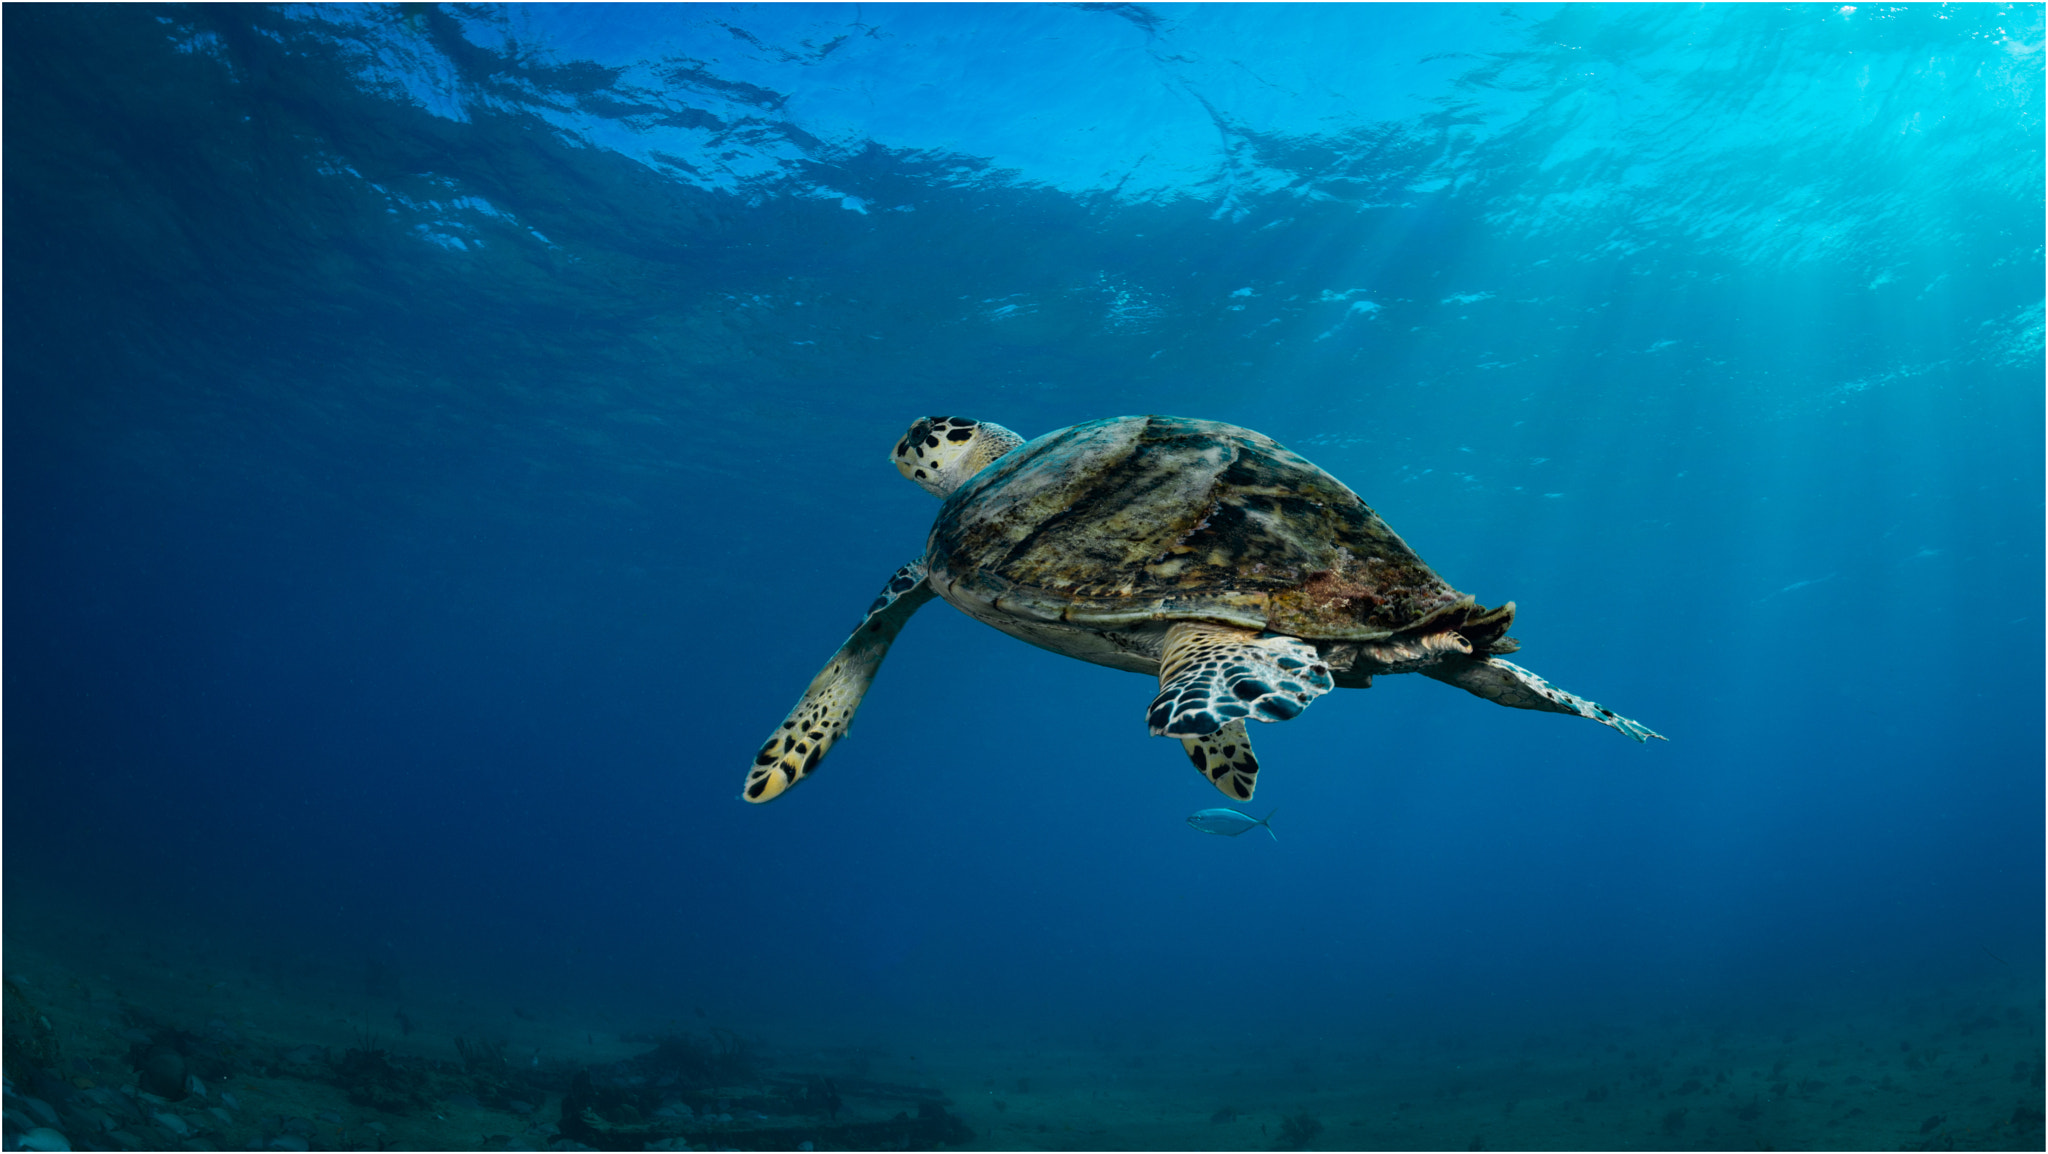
(1487, 630)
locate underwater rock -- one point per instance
(821, 1096)
(172, 1122)
(30, 1039)
(1296, 1131)
(42, 1111)
(375, 1079)
(162, 1072)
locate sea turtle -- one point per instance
(1249, 581)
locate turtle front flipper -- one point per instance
(827, 707)
(1225, 758)
(1505, 683)
(1211, 675)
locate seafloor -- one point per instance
(123, 1041)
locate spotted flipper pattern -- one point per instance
(1225, 757)
(827, 707)
(1505, 683)
(1211, 675)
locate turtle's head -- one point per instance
(941, 453)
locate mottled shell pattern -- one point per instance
(1128, 519)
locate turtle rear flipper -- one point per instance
(1505, 683)
(1211, 675)
(827, 707)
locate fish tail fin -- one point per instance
(1267, 821)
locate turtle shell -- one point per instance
(1129, 519)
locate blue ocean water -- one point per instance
(441, 442)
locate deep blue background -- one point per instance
(440, 445)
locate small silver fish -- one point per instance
(1230, 823)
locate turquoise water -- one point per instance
(441, 443)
